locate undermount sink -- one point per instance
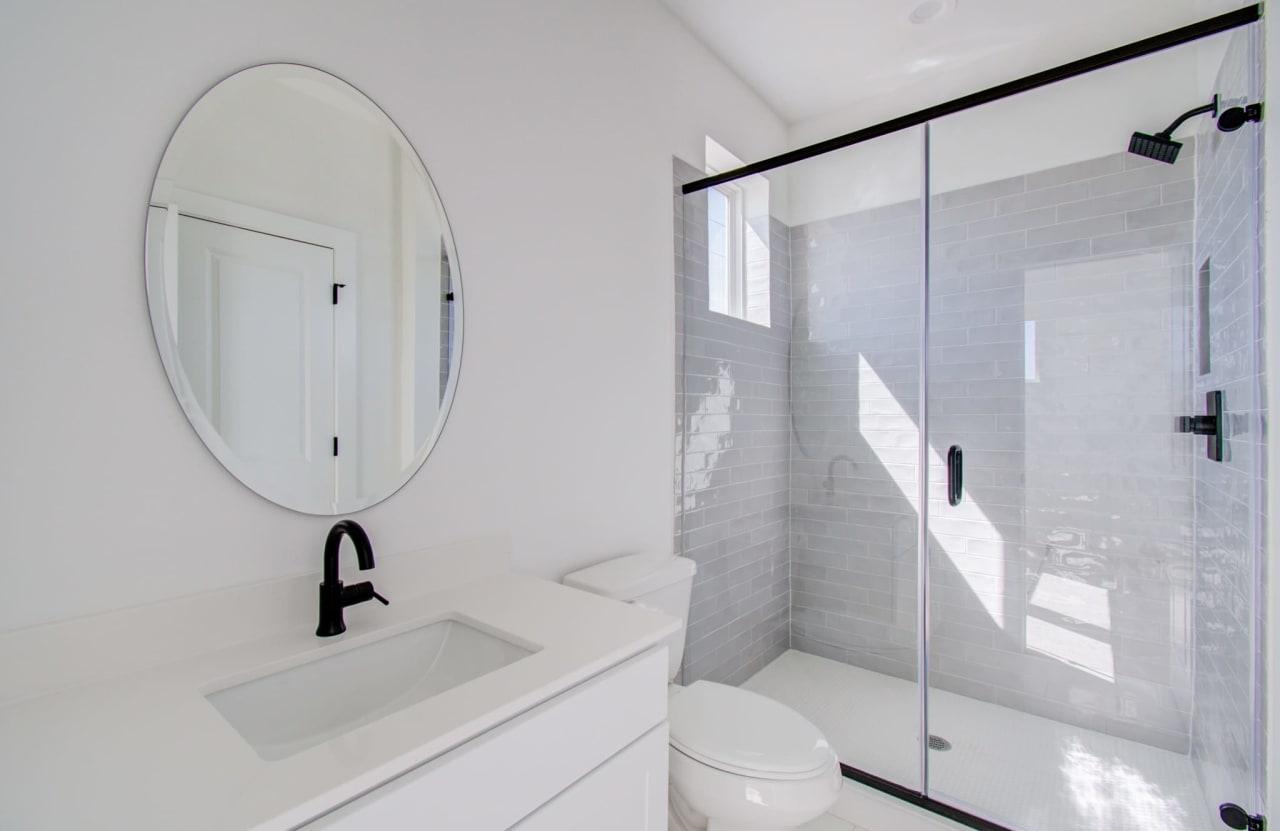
(289, 711)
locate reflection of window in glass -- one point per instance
(737, 242)
(1030, 372)
(1202, 325)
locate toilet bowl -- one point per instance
(739, 761)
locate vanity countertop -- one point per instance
(146, 750)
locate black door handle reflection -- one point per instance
(955, 475)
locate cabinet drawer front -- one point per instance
(626, 793)
(500, 777)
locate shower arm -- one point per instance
(1211, 107)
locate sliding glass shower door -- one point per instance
(1091, 570)
(857, 275)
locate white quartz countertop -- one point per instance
(146, 750)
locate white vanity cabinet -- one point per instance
(593, 757)
(626, 793)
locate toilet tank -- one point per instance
(655, 582)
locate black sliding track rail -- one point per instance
(1102, 60)
(920, 800)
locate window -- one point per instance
(724, 250)
(737, 242)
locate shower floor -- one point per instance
(1022, 771)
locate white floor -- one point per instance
(829, 823)
(1022, 771)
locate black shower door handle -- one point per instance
(955, 475)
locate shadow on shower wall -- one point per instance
(1060, 585)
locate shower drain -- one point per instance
(938, 743)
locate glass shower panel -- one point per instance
(1068, 546)
(798, 483)
(856, 219)
(1227, 743)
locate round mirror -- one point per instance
(304, 289)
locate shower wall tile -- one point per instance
(1097, 254)
(1122, 202)
(1077, 172)
(1227, 705)
(1055, 196)
(1164, 215)
(732, 488)
(855, 407)
(1146, 175)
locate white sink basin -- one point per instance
(289, 711)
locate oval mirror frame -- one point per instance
(376, 378)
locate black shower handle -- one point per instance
(1213, 424)
(955, 475)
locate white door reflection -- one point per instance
(255, 325)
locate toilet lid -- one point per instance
(743, 732)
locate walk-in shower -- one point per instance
(955, 502)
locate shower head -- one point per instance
(1161, 146)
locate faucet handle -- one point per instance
(359, 593)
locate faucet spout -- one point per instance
(333, 545)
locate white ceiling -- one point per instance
(812, 58)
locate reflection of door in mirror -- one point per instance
(267, 359)
(253, 312)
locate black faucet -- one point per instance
(333, 596)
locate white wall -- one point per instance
(548, 128)
(1082, 118)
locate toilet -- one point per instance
(738, 761)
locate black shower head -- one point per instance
(1159, 147)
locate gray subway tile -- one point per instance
(1119, 202)
(1157, 237)
(1045, 254)
(1005, 223)
(1044, 197)
(1131, 180)
(1177, 212)
(1088, 169)
(977, 193)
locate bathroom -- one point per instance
(558, 445)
